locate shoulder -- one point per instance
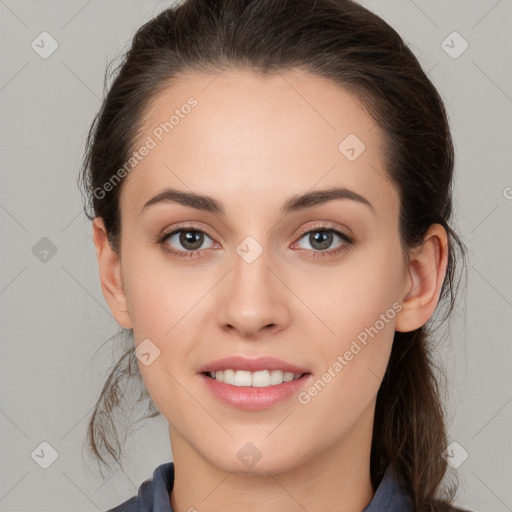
(153, 493)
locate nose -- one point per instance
(253, 298)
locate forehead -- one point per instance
(248, 137)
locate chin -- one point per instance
(247, 459)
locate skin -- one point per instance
(251, 143)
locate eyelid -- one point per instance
(327, 225)
(191, 226)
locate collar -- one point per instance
(153, 494)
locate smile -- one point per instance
(259, 379)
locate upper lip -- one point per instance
(251, 365)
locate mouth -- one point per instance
(253, 383)
(254, 391)
(257, 379)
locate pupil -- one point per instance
(323, 238)
(191, 239)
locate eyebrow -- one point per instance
(295, 203)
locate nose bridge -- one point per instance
(252, 299)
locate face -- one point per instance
(244, 279)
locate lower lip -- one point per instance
(254, 398)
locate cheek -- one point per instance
(358, 304)
(351, 296)
(162, 309)
(360, 309)
(159, 293)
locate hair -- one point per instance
(342, 41)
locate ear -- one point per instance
(109, 267)
(426, 272)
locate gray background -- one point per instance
(54, 317)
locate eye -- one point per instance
(189, 238)
(321, 237)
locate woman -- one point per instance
(270, 190)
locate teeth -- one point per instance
(260, 379)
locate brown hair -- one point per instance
(344, 42)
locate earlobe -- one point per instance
(426, 271)
(109, 267)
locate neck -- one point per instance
(335, 479)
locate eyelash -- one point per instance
(348, 241)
